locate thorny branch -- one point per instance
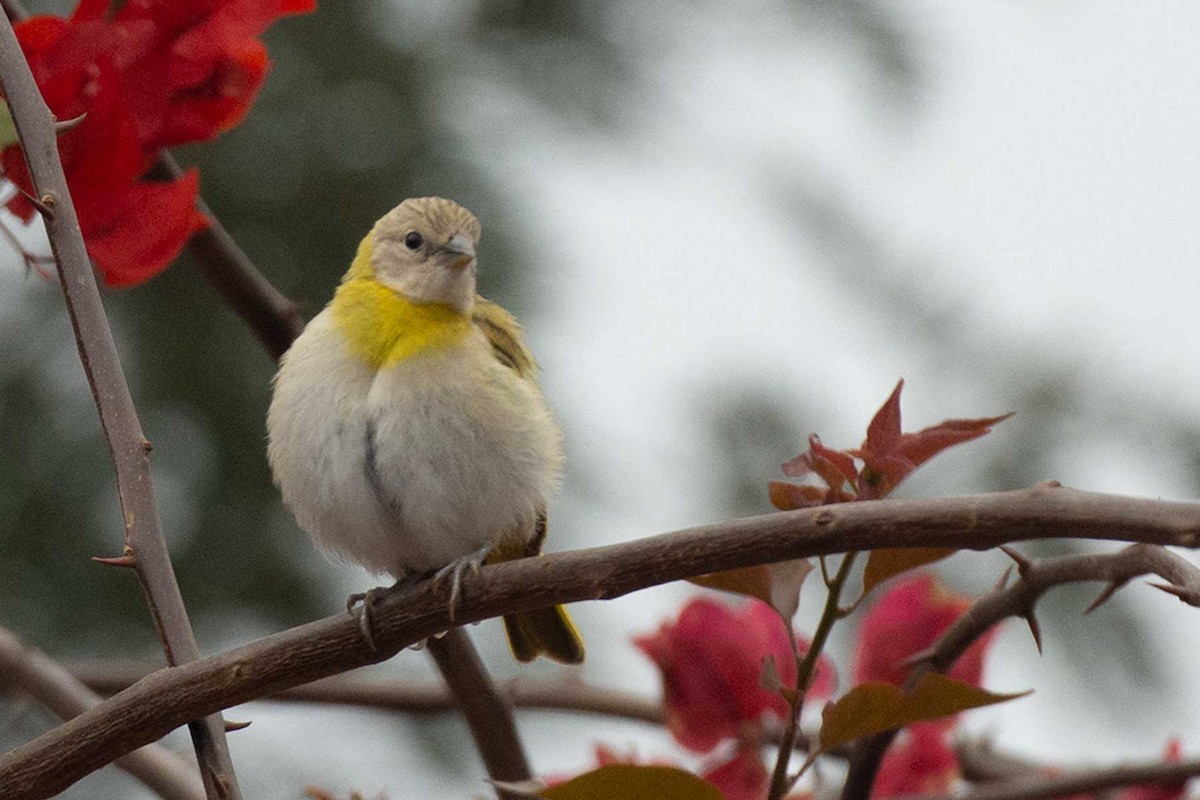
(163, 701)
(1087, 782)
(1034, 579)
(28, 671)
(145, 547)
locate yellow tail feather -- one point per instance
(546, 632)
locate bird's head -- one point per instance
(424, 248)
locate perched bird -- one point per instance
(407, 430)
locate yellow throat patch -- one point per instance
(384, 328)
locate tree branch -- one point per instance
(163, 701)
(25, 669)
(145, 547)
(488, 713)
(271, 315)
(1078, 782)
(108, 676)
(1035, 579)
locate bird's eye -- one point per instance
(413, 240)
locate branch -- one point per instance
(145, 548)
(27, 670)
(1035, 579)
(107, 677)
(161, 702)
(1081, 782)
(487, 711)
(272, 316)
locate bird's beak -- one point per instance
(460, 251)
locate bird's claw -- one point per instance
(368, 599)
(454, 571)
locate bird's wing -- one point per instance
(503, 332)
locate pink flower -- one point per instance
(712, 658)
(740, 777)
(907, 619)
(920, 763)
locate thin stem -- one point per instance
(145, 547)
(805, 669)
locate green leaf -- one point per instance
(876, 706)
(633, 782)
(777, 585)
(8, 131)
(891, 561)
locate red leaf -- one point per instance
(884, 429)
(790, 496)
(889, 456)
(778, 585)
(891, 561)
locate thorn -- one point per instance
(1185, 595)
(46, 209)
(234, 725)
(61, 126)
(1000, 584)
(1049, 485)
(126, 560)
(1103, 597)
(1023, 563)
(1035, 630)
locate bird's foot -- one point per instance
(368, 599)
(455, 570)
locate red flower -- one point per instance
(907, 619)
(149, 74)
(712, 660)
(919, 763)
(743, 776)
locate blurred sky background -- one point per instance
(725, 227)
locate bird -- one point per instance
(407, 431)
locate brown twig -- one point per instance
(144, 542)
(1035, 579)
(26, 670)
(980, 762)
(1077, 782)
(160, 702)
(488, 713)
(108, 676)
(271, 315)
